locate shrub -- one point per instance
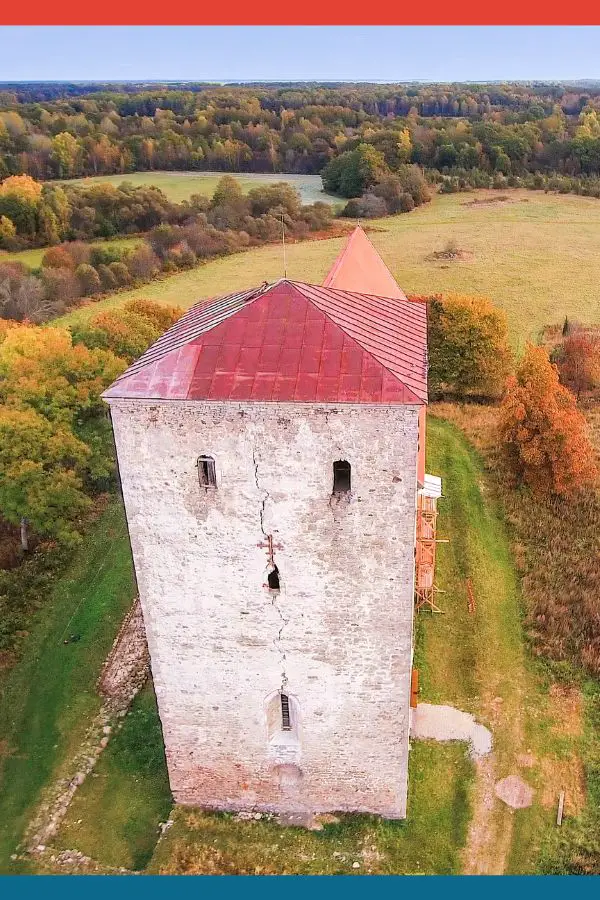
(22, 298)
(89, 280)
(61, 285)
(57, 258)
(542, 432)
(107, 278)
(120, 273)
(143, 263)
(468, 347)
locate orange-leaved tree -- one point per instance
(578, 361)
(543, 434)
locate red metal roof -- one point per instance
(359, 267)
(288, 342)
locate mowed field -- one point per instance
(536, 255)
(179, 186)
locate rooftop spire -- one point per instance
(359, 267)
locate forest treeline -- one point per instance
(65, 131)
(175, 236)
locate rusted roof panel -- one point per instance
(288, 342)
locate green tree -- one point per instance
(468, 346)
(351, 173)
(41, 465)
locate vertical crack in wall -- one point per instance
(277, 641)
(264, 491)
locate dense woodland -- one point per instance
(506, 130)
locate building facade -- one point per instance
(268, 448)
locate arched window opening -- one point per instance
(207, 472)
(286, 720)
(283, 723)
(341, 477)
(273, 579)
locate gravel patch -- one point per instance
(446, 723)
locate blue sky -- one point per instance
(398, 53)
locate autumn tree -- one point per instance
(7, 232)
(127, 331)
(542, 433)
(468, 346)
(578, 360)
(65, 154)
(20, 197)
(42, 369)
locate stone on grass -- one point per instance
(515, 792)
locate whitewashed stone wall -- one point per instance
(338, 636)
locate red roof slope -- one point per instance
(288, 342)
(359, 267)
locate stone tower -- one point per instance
(268, 447)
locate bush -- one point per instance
(57, 258)
(107, 278)
(578, 360)
(120, 273)
(143, 263)
(61, 285)
(89, 280)
(369, 206)
(468, 347)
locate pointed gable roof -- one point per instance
(288, 342)
(359, 267)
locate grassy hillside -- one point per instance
(180, 186)
(48, 700)
(536, 255)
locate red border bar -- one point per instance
(308, 12)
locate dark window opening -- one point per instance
(341, 477)
(207, 472)
(273, 579)
(286, 721)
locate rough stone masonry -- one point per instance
(337, 636)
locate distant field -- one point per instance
(537, 256)
(180, 186)
(33, 258)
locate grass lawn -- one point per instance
(33, 258)
(179, 186)
(536, 256)
(478, 662)
(115, 815)
(48, 700)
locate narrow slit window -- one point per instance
(273, 579)
(341, 477)
(286, 721)
(207, 472)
